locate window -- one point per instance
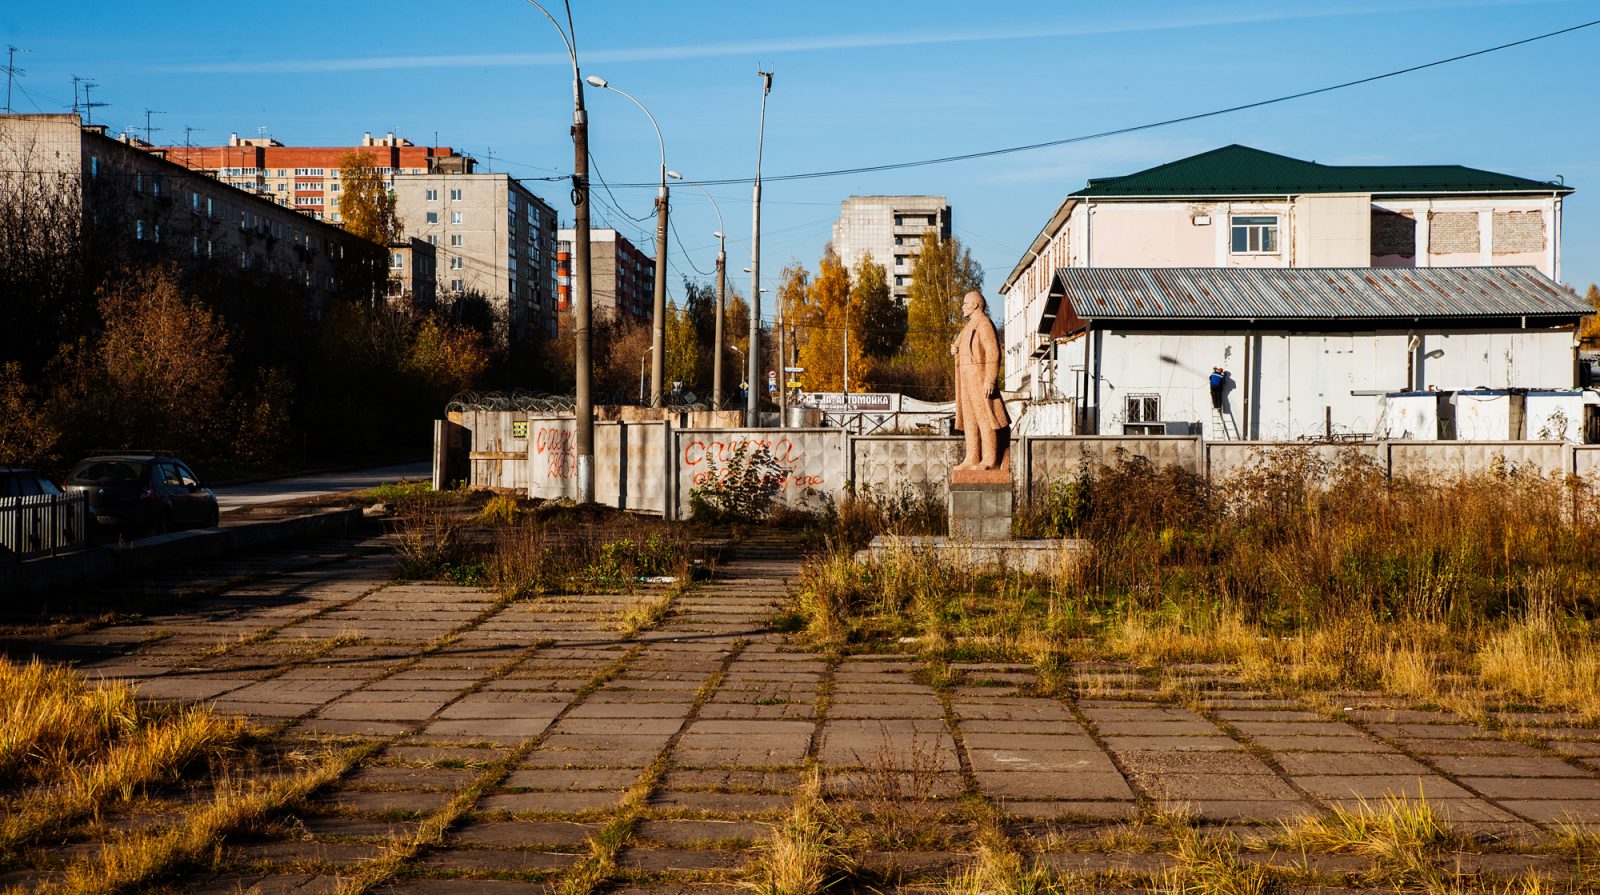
(1142, 415)
(455, 285)
(194, 248)
(455, 217)
(455, 263)
(94, 166)
(433, 217)
(432, 195)
(1255, 234)
(455, 195)
(397, 261)
(456, 239)
(433, 239)
(334, 188)
(138, 230)
(1143, 408)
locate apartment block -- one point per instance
(156, 208)
(623, 278)
(491, 236)
(891, 229)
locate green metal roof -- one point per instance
(1242, 171)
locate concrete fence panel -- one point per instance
(816, 460)
(1226, 459)
(552, 458)
(1586, 461)
(887, 463)
(1051, 458)
(1432, 459)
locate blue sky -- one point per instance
(856, 84)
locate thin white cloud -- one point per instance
(873, 40)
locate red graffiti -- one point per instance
(562, 452)
(697, 452)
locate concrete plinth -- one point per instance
(1045, 557)
(981, 511)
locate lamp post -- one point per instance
(582, 293)
(658, 331)
(722, 290)
(752, 402)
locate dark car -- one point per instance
(30, 527)
(16, 482)
(143, 492)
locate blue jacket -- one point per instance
(1218, 379)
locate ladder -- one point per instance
(1224, 424)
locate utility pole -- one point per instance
(752, 398)
(847, 352)
(188, 143)
(722, 301)
(658, 331)
(12, 71)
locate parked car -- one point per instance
(32, 527)
(143, 492)
(15, 482)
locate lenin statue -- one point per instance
(980, 413)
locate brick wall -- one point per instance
(1518, 231)
(1451, 232)
(1393, 233)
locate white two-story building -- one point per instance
(1237, 207)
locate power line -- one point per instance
(1167, 122)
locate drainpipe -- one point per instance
(1083, 396)
(1245, 386)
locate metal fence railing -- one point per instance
(42, 525)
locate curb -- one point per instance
(96, 564)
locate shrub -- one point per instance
(741, 490)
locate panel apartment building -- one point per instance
(623, 278)
(891, 228)
(163, 209)
(491, 236)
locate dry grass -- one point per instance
(1210, 865)
(136, 859)
(804, 855)
(1309, 576)
(52, 720)
(649, 611)
(1405, 835)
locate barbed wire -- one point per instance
(516, 399)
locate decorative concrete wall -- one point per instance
(888, 463)
(1226, 459)
(651, 467)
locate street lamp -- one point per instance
(658, 332)
(752, 406)
(582, 298)
(722, 289)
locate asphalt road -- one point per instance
(237, 497)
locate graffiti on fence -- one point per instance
(555, 446)
(700, 456)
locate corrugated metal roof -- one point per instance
(1244, 171)
(1302, 293)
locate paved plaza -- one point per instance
(547, 723)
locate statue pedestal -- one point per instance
(981, 502)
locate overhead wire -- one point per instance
(1131, 129)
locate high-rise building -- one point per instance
(491, 236)
(623, 277)
(891, 228)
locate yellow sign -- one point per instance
(519, 428)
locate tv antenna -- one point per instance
(88, 105)
(188, 141)
(149, 131)
(12, 71)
